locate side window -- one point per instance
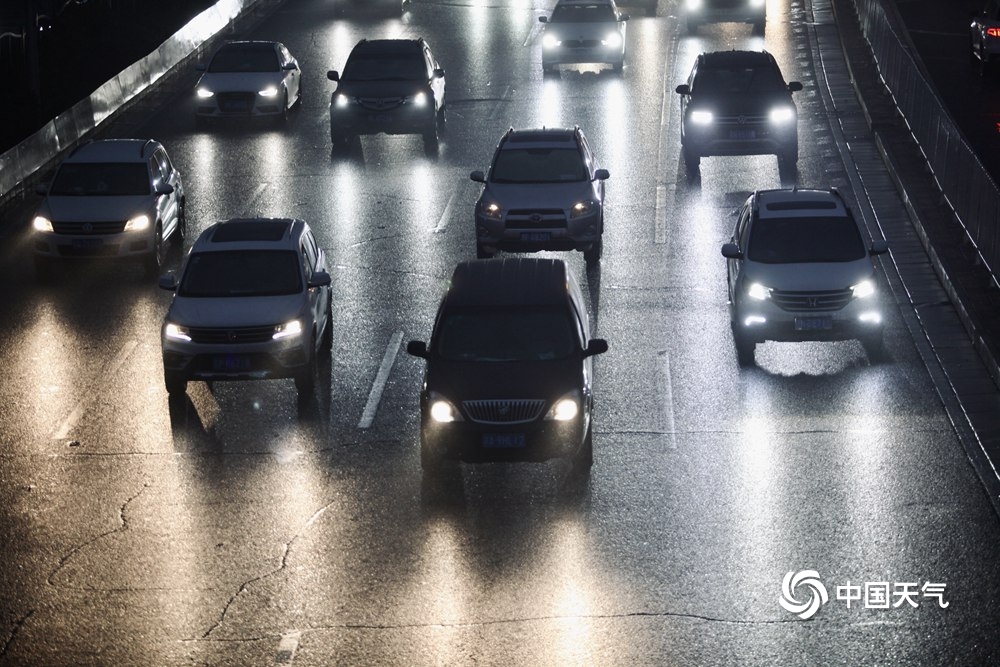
(308, 255)
(154, 170)
(166, 169)
(743, 228)
(588, 155)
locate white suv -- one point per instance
(253, 302)
(111, 198)
(800, 269)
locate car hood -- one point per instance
(381, 88)
(809, 277)
(582, 30)
(225, 82)
(95, 209)
(736, 105)
(464, 381)
(234, 311)
(539, 195)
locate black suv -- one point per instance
(395, 86)
(508, 367)
(543, 192)
(696, 12)
(737, 103)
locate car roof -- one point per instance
(251, 234)
(114, 150)
(734, 58)
(389, 46)
(509, 281)
(539, 137)
(798, 203)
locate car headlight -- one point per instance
(287, 330)
(550, 41)
(491, 210)
(759, 292)
(270, 91)
(566, 408)
(864, 289)
(782, 115)
(42, 224)
(757, 3)
(177, 332)
(613, 40)
(701, 117)
(692, 5)
(205, 93)
(137, 223)
(419, 100)
(341, 100)
(442, 410)
(581, 208)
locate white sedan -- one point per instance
(245, 79)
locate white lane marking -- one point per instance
(74, 417)
(660, 229)
(504, 99)
(442, 224)
(286, 648)
(368, 414)
(667, 407)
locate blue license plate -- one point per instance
(88, 243)
(536, 236)
(503, 440)
(236, 106)
(742, 135)
(230, 363)
(813, 323)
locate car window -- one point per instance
(392, 67)
(506, 334)
(725, 80)
(101, 179)
(597, 13)
(538, 165)
(796, 240)
(244, 60)
(308, 256)
(741, 227)
(164, 162)
(242, 273)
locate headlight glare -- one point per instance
(757, 3)
(780, 115)
(341, 100)
(864, 289)
(613, 40)
(701, 117)
(287, 330)
(442, 411)
(566, 408)
(581, 208)
(270, 91)
(692, 5)
(758, 291)
(420, 99)
(491, 210)
(550, 41)
(137, 223)
(205, 93)
(42, 224)
(176, 332)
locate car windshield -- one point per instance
(105, 179)
(245, 60)
(596, 13)
(805, 240)
(737, 80)
(242, 273)
(538, 165)
(394, 67)
(506, 335)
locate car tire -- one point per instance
(339, 141)
(592, 255)
(326, 343)
(282, 117)
(154, 261)
(583, 460)
(874, 345)
(175, 383)
(759, 27)
(181, 231)
(431, 141)
(305, 377)
(619, 66)
(692, 161)
(441, 120)
(549, 70)
(483, 253)
(744, 349)
(692, 26)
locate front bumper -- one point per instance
(238, 105)
(583, 52)
(250, 361)
(733, 137)
(355, 118)
(761, 321)
(471, 442)
(547, 234)
(124, 244)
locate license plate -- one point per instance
(230, 363)
(88, 243)
(503, 440)
(236, 106)
(813, 323)
(536, 236)
(742, 135)
(379, 117)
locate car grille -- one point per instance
(581, 43)
(380, 103)
(504, 411)
(84, 228)
(236, 101)
(231, 335)
(536, 218)
(814, 301)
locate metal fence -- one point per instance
(968, 188)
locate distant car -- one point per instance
(544, 191)
(113, 198)
(253, 302)
(698, 12)
(395, 86)
(508, 367)
(800, 269)
(984, 35)
(583, 31)
(371, 7)
(648, 5)
(247, 79)
(737, 103)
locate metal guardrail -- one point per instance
(964, 182)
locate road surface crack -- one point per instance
(18, 624)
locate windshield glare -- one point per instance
(805, 240)
(583, 14)
(245, 60)
(385, 68)
(737, 80)
(506, 335)
(242, 273)
(101, 179)
(538, 165)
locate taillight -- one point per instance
(993, 32)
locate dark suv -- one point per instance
(543, 192)
(508, 366)
(395, 86)
(696, 12)
(737, 103)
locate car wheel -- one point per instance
(692, 26)
(154, 261)
(327, 342)
(282, 117)
(759, 27)
(618, 66)
(691, 161)
(583, 461)
(442, 120)
(874, 345)
(548, 70)
(175, 382)
(593, 254)
(744, 349)
(305, 378)
(339, 141)
(431, 142)
(483, 253)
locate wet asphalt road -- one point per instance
(240, 527)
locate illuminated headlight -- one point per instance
(782, 115)
(871, 317)
(566, 408)
(419, 100)
(177, 332)
(205, 93)
(341, 100)
(491, 210)
(287, 330)
(754, 320)
(692, 5)
(137, 224)
(757, 3)
(581, 208)
(759, 292)
(864, 289)
(442, 410)
(42, 224)
(700, 117)
(270, 91)
(550, 42)
(613, 40)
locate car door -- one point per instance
(739, 237)
(308, 250)
(292, 76)
(436, 82)
(167, 206)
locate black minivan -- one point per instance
(509, 366)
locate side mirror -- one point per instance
(602, 175)
(417, 348)
(42, 189)
(624, 17)
(595, 346)
(731, 251)
(165, 189)
(543, 19)
(332, 75)
(794, 86)
(168, 282)
(439, 73)
(290, 66)
(478, 176)
(683, 89)
(879, 247)
(319, 279)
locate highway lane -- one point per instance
(239, 527)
